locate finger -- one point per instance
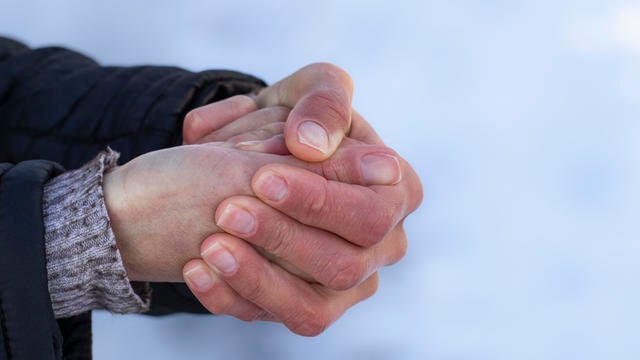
(217, 296)
(309, 253)
(206, 119)
(320, 95)
(304, 308)
(362, 215)
(271, 119)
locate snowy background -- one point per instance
(521, 117)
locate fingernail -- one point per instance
(236, 219)
(200, 278)
(314, 135)
(220, 258)
(380, 169)
(271, 186)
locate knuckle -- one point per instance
(332, 105)
(254, 290)
(346, 272)
(311, 321)
(326, 69)
(240, 104)
(383, 223)
(315, 202)
(278, 242)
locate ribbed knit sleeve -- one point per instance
(85, 269)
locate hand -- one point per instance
(320, 98)
(161, 204)
(339, 245)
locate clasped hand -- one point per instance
(296, 218)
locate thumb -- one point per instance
(320, 98)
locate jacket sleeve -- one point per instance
(28, 329)
(61, 106)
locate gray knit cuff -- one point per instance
(85, 270)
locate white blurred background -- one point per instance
(522, 119)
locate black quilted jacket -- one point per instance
(58, 109)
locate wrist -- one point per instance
(83, 262)
(116, 202)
